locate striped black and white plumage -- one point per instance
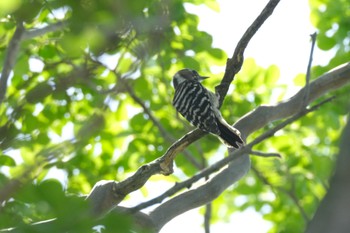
(201, 107)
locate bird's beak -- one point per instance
(200, 78)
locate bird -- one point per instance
(201, 107)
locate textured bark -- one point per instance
(333, 214)
(203, 194)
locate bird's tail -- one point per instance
(229, 135)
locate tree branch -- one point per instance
(203, 194)
(30, 34)
(11, 55)
(264, 154)
(13, 48)
(234, 64)
(308, 70)
(207, 217)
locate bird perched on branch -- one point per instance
(201, 107)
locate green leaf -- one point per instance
(325, 43)
(23, 14)
(190, 62)
(6, 160)
(73, 45)
(51, 190)
(39, 92)
(214, 5)
(299, 80)
(272, 74)
(48, 52)
(8, 6)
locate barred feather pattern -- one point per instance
(192, 101)
(196, 104)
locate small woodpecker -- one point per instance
(201, 107)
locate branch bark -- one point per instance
(201, 195)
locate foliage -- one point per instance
(78, 99)
(331, 18)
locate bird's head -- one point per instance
(186, 75)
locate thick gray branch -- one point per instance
(202, 195)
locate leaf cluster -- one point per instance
(331, 18)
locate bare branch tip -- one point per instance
(264, 154)
(313, 36)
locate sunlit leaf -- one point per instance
(299, 80)
(7, 161)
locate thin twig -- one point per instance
(308, 71)
(220, 164)
(208, 209)
(263, 154)
(207, 217)
(42, 31)
(146, 110)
